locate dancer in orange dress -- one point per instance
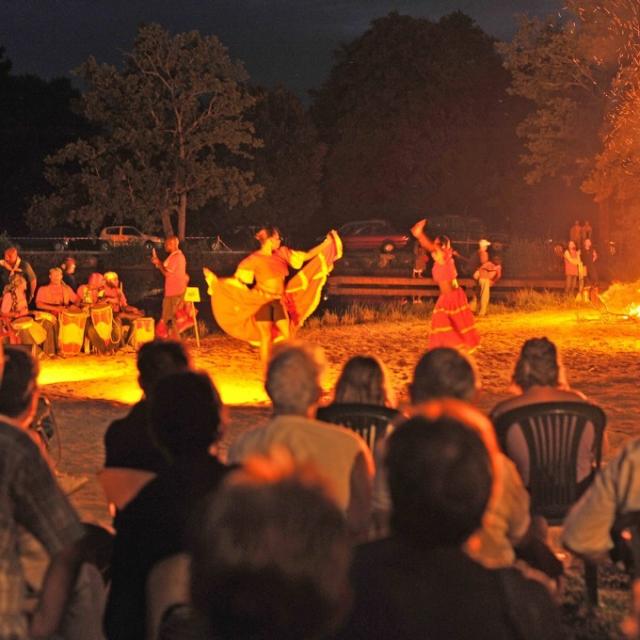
(452, 322)
(258, 304)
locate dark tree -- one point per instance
(418, 121)
(172, 132)
(36, 118)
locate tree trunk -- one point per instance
(167, 227)
(182, 216)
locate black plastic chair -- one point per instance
(370, 421)
(552, 431)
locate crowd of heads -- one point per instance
(271, 549)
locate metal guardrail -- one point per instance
(425, 287)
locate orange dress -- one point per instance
(235, 304)
(452, 322)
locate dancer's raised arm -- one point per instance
(417, 231)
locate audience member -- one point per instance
(185, 414)
(575, 233)
(128, 441)
(539, 377)
(271, 556)
(31, 503)
(418, 583)
(293, 384)
(364, 380)
(446, 373)
(615, 492)
(573, 269)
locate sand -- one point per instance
(600, 353)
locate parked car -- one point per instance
(120, 235)
(378, 235)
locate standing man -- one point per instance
(174, 270)
(575, 233)
(69, 272)
(13, 263)
(487, 275)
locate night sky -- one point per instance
(286, 42)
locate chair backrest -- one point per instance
(552, 431)
(370, 421)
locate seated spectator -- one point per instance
(23, 328)
(538, 377)
(418, 583)
(271, 556)
(32, 505)
(615, 491)
(446, 373)
(293, 384)
(128, 441)
(185, 416)
(363, 380)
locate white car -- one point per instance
(119, 235)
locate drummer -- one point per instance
(15, 307)
(123, 312)
(92, 294)
(56, 296)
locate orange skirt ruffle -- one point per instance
(234, 304)
(452, 323)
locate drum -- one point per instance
(143, 331)
(28, 325)
(45, 315)
(102, 320)
(71, 332)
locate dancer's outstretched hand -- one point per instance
(418, 227)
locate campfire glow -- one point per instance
(623, 298)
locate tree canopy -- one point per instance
(581, 69)
(171, 134)
(418, 121)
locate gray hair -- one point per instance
(293, 378)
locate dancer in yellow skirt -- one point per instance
(258, 304)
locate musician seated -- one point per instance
(69, 272)
(91, 297)
(57, 295)
(123, 312)
(18, 324)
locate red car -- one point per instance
(378, 235)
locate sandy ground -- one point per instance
(601, 355)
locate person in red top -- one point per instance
(452, 322)
(174, 270)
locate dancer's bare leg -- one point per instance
(265, 340)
